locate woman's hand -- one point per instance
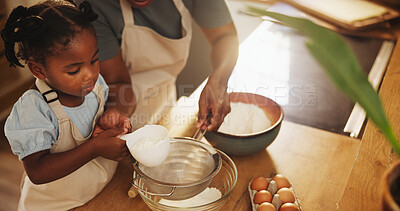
(214, 99)
(214, 102)
(112, 118)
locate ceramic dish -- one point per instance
(248, 144)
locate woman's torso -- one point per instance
(161, 16)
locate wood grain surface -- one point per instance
(375, 155)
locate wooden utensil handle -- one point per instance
(132, 192)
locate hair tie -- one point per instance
(7, 35)
(87, 11)
(15, 15)
(20, 26)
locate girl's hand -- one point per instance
(107, 145)
(214, 100)
(97, 130)
(44, 166)
(112, 118)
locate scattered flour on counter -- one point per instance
(148, 142)
(244, 119)
(205, 197)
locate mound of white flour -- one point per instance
(244, 119)
(205, 197)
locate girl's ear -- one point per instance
(37, 69)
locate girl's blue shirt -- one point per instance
(33, 126)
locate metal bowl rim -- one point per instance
(190, 184)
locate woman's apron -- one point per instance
(153, 62)
(81, 185)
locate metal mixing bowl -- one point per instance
(187, 170)
(225, 181)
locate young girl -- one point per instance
(50, 127)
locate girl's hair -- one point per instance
(44, 29)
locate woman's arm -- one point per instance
(121, 101)
(43, 167)
(121, 95)
(214, 97)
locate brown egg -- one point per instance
(259, 183)
(262, 196)
(286, 195)
(266, 206)
(281, 181)
(289, 207)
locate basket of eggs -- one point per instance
(272, 194)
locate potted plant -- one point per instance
(391, 188)
(343, 68)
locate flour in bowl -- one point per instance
(207, 196)
(148, 142)
(244, 119)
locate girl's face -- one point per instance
(73, 73)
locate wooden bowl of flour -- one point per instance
(250, 127)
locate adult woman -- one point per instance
(146, 43)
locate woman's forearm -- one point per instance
(224, 53)
(117, 77)
(122, 98)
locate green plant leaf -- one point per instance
(341, 65)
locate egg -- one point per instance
(266, 206)
(281, 181)
(286, 195)
(259, 183)
(289, 207)
(262, 196)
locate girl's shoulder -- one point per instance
(32, 103)
(32, 97)
(32, 125)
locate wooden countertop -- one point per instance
(375, 154)
(317, 163)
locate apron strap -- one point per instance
(180, 6)
(127, 12)
(100, 93)
(51, 98)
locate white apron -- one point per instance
(78, 187)
(153, 62)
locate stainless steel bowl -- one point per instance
(187, 171)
